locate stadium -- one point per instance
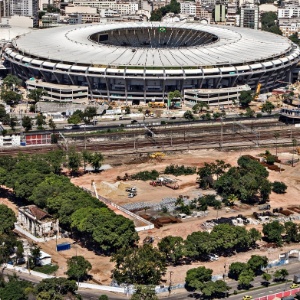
(145, 61)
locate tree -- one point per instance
(199, 245)
(291, 232)
(172, 247)
(7, 218)
(245, 279)
(58, 285)
(95, 159)
(235, 269)
(78, 268)
(249, 112)
(245, 98)
(36, 95)
(189, 115)
(10, 97)
(174, 95)
(256, 263)
(268, 21)
(40, 121)
(51, 124)
(216, 289)
(11, 81)
(127, 110)
(13, 123)
(74, 160)
(27, 123)
(267, 107)
(89, 114)
(273, 231)
(281, 274)
(267, 277)
(143, 292)
(103, 297)
(74, 119)
(35, 253)
(14, 289)
(199, 107)
(279, 187)
(144, 265)
(197, 278)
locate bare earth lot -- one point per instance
(108, 187)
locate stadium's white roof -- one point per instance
(71, 44)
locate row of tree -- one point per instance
(224, 239)
(34, 179)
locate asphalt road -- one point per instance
(293, 268)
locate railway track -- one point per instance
(194, 137)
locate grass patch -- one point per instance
(47, 269)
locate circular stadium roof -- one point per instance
(165, 45)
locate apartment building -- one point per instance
(188, 8)
(249, 16)
(124, 8)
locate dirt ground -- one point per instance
(108, 186)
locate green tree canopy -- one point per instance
(172, 247)
(235, 269)
(11, 81)
(10, 97)
(36, 95)
(256, 263)
(78, 268)
(245, 98)
(144, 265)
(8, 219)
(273, 232)
(144, 292)
(27, 123)
(197, 278)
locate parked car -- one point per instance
(213, 256)
(247, 297)
(294, 285)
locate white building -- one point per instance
(124, 8)
(28, 8)
(10, 140)
(188, 8)
(289, 12)
(36, 221)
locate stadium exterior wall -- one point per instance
(113, 84)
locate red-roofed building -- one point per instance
(37, 221)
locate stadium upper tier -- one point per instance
(153, 44)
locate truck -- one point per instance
(264, 207)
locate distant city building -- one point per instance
(249, 16)
(220, 13)
(232, 9)
(289, 11)
(188, 8)
(124, 8)
(82, 14)
(50, 20)
(289, 26)
(28, 8)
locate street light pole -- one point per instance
(170, 285)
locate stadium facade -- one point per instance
(145, 61)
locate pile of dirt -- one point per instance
(111, 190)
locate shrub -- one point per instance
(179, 170)
(279, 187)
(145, 175)
(270, 159)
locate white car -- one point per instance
(213, 257)
(68, 127)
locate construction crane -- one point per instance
(257, 92)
